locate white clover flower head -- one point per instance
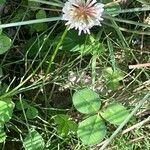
(82, 14)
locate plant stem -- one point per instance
(55, 52)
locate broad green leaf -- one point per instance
(2, 2)
(41, 14)
(113, 85)
(40, 26)
(113, 77)
(33, 141)
(64, 125)
(24, 104)
(92, 130)
(6, 110)
(31, 113)
(115, 113)
(114, 7)
(2, 134)
(5, 43)
(18, 15)
(91, 45)
(110, 74)
(33, 5)
(86, 101)
(72, 41)
(81, 44)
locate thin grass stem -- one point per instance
(29, 22)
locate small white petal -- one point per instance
(82, 14)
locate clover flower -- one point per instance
(82, 14)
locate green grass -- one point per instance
(45, 68)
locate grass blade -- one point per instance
(29, 22)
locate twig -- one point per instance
(137, 66)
